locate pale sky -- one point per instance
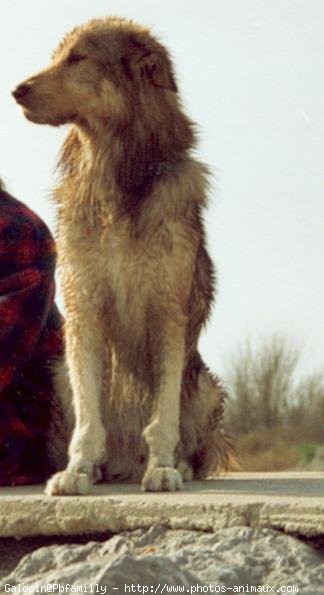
(251, 75)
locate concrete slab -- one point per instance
(293, 502)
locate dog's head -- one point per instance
(95, 71)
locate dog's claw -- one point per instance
(162, 479)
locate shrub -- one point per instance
(276, 420)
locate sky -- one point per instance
(251, 75)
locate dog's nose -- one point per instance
(21, 91)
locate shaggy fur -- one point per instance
(136, 276)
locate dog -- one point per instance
(137, 279)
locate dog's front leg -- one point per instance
(84, 353)
(163, 433)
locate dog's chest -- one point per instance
(111, 263)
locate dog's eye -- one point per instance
(75, 58)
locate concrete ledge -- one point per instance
(293, 502)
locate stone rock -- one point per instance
(189, 559)
(290, 501)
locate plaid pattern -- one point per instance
(30, 336)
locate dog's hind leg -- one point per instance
(84, 350)
(162, 434)
(204, 446)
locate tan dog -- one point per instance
(136, 276)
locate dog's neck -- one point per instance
(115, 168)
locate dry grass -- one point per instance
(276, 421)
(265, 450)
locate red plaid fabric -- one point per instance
(30, 337)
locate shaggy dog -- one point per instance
(136, 276)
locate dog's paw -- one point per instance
(162, 479)
(66, 483)
(185, 470)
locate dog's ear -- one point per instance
(157, 70)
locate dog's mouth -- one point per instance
(34, 117)
(37, 117)
(51, 119)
